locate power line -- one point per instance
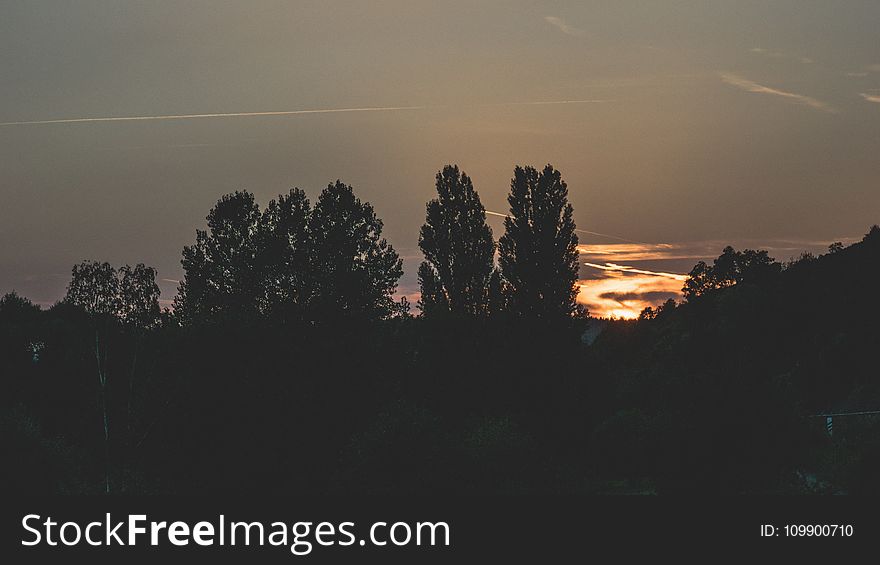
(844, 414)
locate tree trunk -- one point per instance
(102, 381)
(106, 441)
(131, 389)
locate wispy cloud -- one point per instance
(870, 97)
(751, 86)
(564, 26)
(617, 253)
(776, 54)
(864, 71)
(551, 102)
(763, 51)
(641, 251)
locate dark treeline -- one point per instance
(286, 366)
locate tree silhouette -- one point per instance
(458, 247)
(730, 268)
(498, 293)
(128, 296)
(94, 287)
(355, 270)
(138, 302)
(17, 308)
(221, 273)
(283, 256)
(400, 406)
(138, 312)
(538, 251)
(433, 300)
(288, 261)
(648, 313)
(403, 309)
(20, 339)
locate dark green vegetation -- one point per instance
(287, 368)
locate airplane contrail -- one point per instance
(275, 113)
(579, 230)
(628, 269)
(216, 115)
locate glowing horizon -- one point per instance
(122, 123)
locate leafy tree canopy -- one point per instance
(458, 247)
(730, 268)
(129, 295)
(538, 251)
(289, 261)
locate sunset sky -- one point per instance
(679, 126)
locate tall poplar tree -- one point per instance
(538, 251)
(458, 248)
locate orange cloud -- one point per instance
(625, 294)
(643, 251)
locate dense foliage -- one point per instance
(286, 368)
(458, 247)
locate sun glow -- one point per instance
(624, 294)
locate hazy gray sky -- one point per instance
(703, 122)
